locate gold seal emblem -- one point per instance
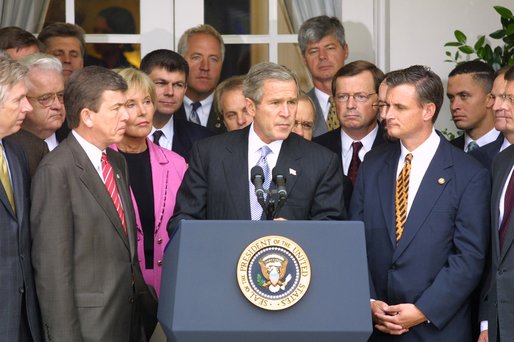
(273, 272)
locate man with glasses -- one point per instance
(45, 88)
(355, 88)
(305, 117)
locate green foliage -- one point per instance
(450, 135)
(481, 50)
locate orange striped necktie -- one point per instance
(402, 197)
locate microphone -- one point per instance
(280, 180)
(257, 178)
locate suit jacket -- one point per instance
(33, 147)
(18, 292)
(439, 260)
(497, 306)
(87, 275)
(185, 134)
(214, 122)
(459, 142)
(168, 170)
(320, 125)
(216, 184)
(486, 153)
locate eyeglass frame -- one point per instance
(51, 98)
(504, 97)
(307, 125)
(364, 97)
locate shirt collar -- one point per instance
(323, 99)
(255, 143)
(167, 129)
(426, 149)
(367, 141)
(93, 153)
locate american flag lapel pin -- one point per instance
(292, 172)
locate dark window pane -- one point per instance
(237, 17)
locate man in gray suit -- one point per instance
(324, 50)
(84, 236)
(19, 312)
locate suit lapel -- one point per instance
(288, 163)
(92, 181)
(160, 181)
(499, 184)
(18, 187)
(386, 190)
(427, 195)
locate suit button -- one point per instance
(159, 262)
(21, 290)
(138, 238)
(159, 241)
(22, 257)
(131, 299)
(500, 272)
(393, 267)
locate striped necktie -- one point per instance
(194, 114)
(5, 179)
(255, 207)
(402, 196)
(112, 189)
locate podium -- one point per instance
(201, 299)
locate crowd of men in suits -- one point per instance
(437, 213)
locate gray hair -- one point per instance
(254, 81)
(183, 43)
(314, 29)
(11, 73)
(42, 61)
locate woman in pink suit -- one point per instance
(155, 175)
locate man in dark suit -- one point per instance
(204, 50)
(324, 50)
(426, 220)
(87, 273)
(355, 90)
(169, 72)
(19, 310)
(497, 310)
(217, 183)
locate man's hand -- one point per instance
(383, 321)
(483, 337)
(405, 315)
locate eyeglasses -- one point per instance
(46, 100)
(307, 125)
(504, 97)
(359, 97)
(380, 106)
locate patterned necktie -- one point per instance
(356, 162)
(4, 177)
(472, 146)
(194, 114)
(255, 207)
(402, 196)
(112, 189)
(156, 136)
(507, 210)
(332, 120)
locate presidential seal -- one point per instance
(273, 272)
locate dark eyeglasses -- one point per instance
(307, 125)
(46, 100)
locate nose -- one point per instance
(56, 104)
(65, 58)
(26, 106)
(241, 118)
(204, 64)
(169, 90)
(351, 103)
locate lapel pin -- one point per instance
(441, 181)
(118, 176)
(292, 172)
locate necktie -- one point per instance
(507, 205)
(112, 189)
(472, 146)
(356, 162)
(156, 136)
(332, 120)
(194, 114)
(255, 207)
(4, 178)
(401, 197)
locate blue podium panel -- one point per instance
(201, 300)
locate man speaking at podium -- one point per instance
(295, 179)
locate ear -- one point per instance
(428, 111)
(346, 51)
(490, 101)
(86, 117)
(250, 107)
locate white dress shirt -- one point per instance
(166, 139)
(483, 140)
(93, 153)
(324, 101)
(347, 149)
(254, 144)
(203, 111)
(51, 142)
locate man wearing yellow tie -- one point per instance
(19, 310)
(425, 207)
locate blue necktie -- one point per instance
(255, 207)
(194, 114)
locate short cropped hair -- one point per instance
(314, 29)
(183, 43)
(167, 59)
(480, 71)
(63, 30)
(138, 80)
(11, 73)
(258, 73)
(356, 68)
(428, 85)
(12, 37)
(231, 83)
(84, 89)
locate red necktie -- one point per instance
(507, 210)
(110, 184)
(356, 162)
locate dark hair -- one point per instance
(84, 89)
(63, 30)
(12, 37)
(167, 59)
(481, 72)
(356, 68)
(428, 85)
(314, 29)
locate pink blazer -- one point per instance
(168, 169)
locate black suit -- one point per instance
(33, 147)
(486, 153)
(185, 134)
(18, 301)
(458, 142)
(216, 184)
(214, 122)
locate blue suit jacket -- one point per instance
(486, 153)
(185, 134)
(439, 260)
